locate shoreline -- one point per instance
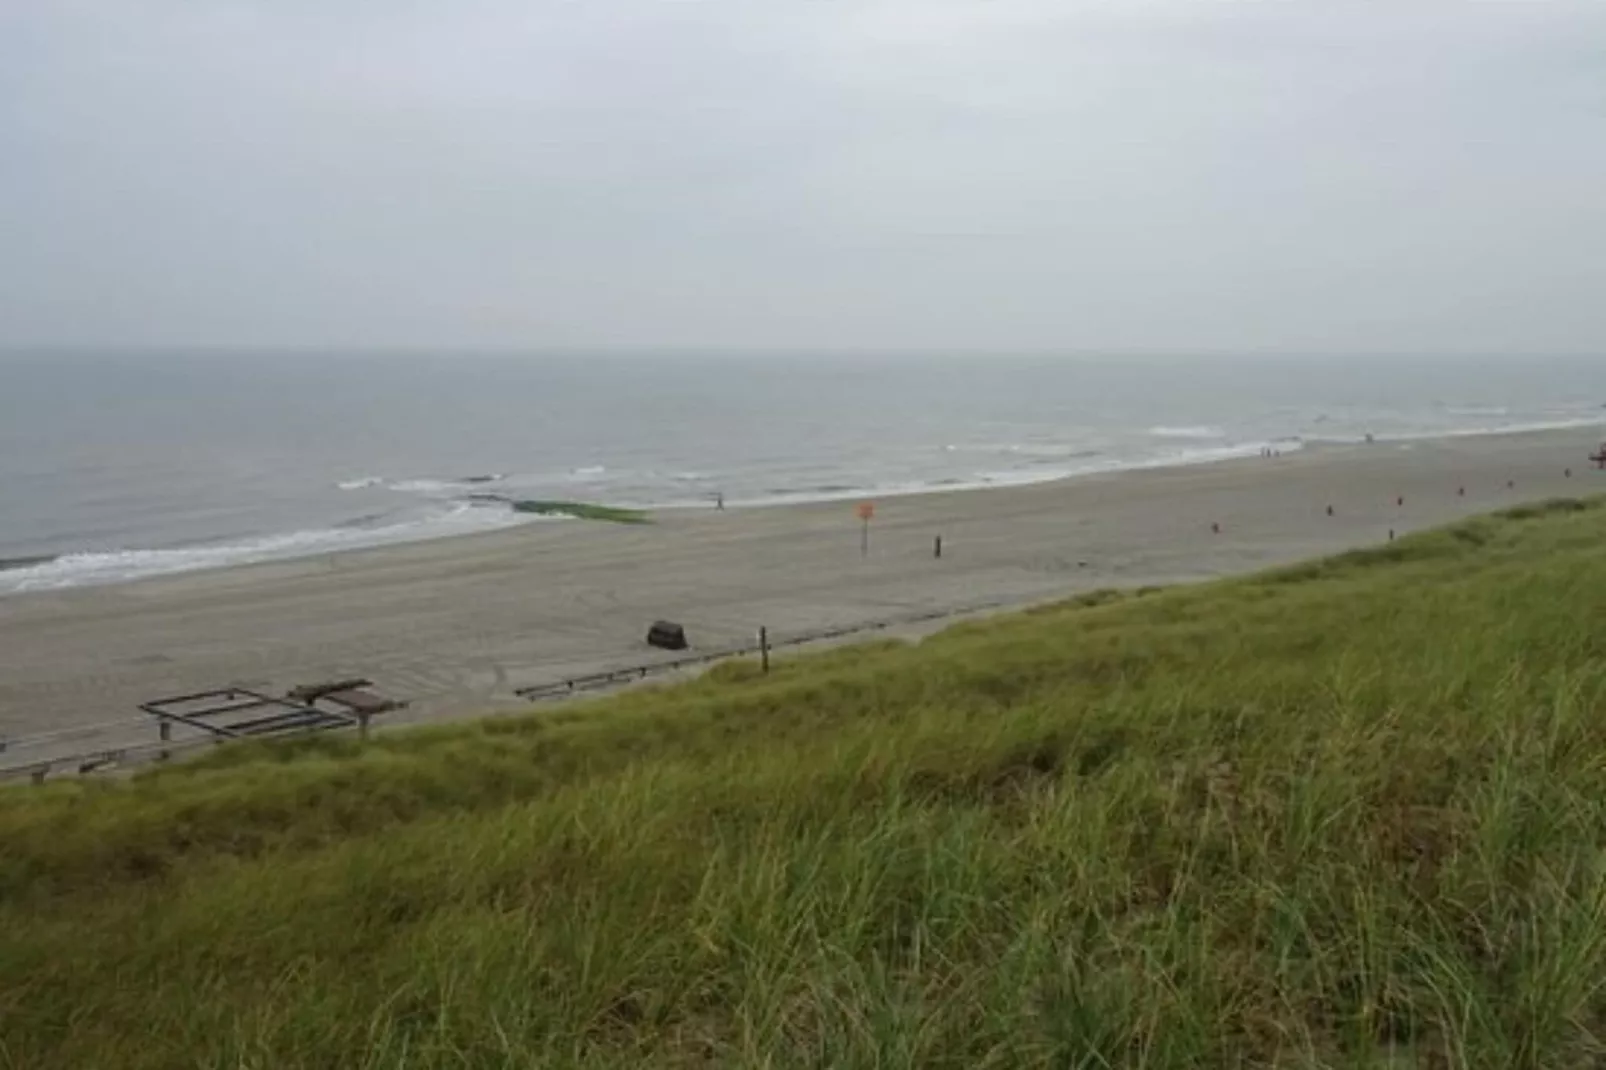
(273, 547)
(455, 625)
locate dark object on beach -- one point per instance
(1461, 492)
(667, 635)
(1391, 534)
(1329, 510)
(1215, 528)
(354, 696)
(1566, 473)
(1400, 500)
(1370, 438)
(313, 692)
(351, 697)
(1511, 484)
(936, 549)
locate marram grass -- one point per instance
(1347, 814)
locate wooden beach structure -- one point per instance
(191, 721)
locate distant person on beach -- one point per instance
(719, 500)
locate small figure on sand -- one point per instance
(719, 500)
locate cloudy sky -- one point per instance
(954, 174)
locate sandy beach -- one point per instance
(454, 625)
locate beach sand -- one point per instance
(454, 625)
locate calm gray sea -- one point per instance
(116, 466)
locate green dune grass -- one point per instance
(1343, 814)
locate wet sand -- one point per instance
(454, 625)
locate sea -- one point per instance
(115, 466)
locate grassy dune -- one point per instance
(1344, 814)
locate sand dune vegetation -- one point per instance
(1347, 813)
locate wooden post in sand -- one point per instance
(764, 648)
(164, 730)
(936, 550)
(866, 511)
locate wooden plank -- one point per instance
(361, 701)
(313, 692)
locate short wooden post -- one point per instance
(764, 648)
(936, 550)
(165, 730)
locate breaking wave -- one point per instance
(116, 566)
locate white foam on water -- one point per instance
(1201, 431)
(117, 566)
(1482, 431)
(1025, 449)
(1185, 457)
(1017, 477)
(422, 486)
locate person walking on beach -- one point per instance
(719, 500)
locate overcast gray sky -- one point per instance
(1001, 174)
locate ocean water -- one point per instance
(119, 466)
